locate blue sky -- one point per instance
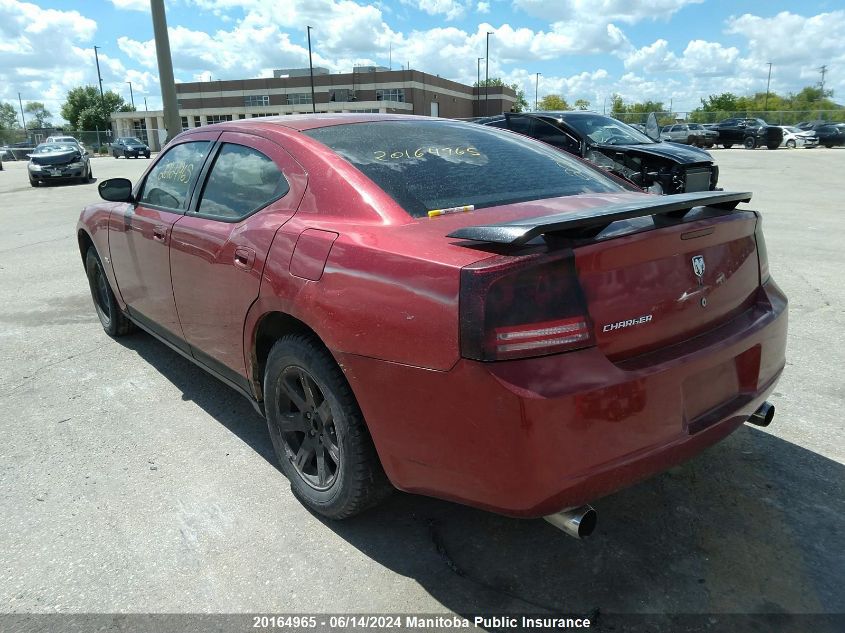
(667, 50)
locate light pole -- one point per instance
(99, 77)
(536, 86)
(487, 73)
(20, 103)
(478, 83)
(131, 96)
(768, 82)
(311, 69)
(172, 120)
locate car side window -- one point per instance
(241, 181)
(548, 132)
(520, 124)
(168, 183)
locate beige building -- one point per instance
(368, 89)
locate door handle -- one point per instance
(244, 257)
(160, 233)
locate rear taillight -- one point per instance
(521, 307)
(762, 254)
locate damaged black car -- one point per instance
(649, 163)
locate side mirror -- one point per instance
(116, 190)
(652, 130)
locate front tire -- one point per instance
(750, 142)
(114, 322)
(318, 432)
(33, 183)
(790, 144)
(727, 145)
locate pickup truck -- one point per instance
(750, 133)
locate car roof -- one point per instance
(302, 122)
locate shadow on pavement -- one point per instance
(752, 525)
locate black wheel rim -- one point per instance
(101, 291)
(307, 429)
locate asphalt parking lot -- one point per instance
(131, 481)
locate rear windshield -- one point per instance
(439, 164)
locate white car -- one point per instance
(795, 137)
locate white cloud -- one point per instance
(630, 11)
(30, 37)
(482, 7)
(450, 9)
(710, 58)
(132, 5)
(655, 57)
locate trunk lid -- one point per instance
(655, 288)
(654, 270)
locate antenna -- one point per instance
(823, 71)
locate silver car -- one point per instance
(59, 162)
(689, 133)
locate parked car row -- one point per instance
(64, 158)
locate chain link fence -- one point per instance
(772, 117)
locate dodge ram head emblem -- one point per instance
(698, 266)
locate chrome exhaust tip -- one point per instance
(577, 522)
(764, 415)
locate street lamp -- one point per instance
(478, 84)
(131, 96)
(768, 82)
(99, 77)
(311, 69)
(20, 103)
(487, 73)
(536, 85)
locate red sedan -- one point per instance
(446, 308)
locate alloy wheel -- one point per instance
(306, 426)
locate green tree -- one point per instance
(39, 116)
(85, 110)
(8, 116)
(520, 105)
(553, 102)
(582, 104)
(725, 102)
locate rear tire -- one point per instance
(318, 432)
(114, 322)
(750, 142)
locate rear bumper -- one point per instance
(531, 437)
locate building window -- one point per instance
(197, 120)
(391, 94)
(184, 123)
(342, 94)
(251, 101)
(140, 128)
(241, 116)
(298, 98)
(218, 118)
(260, 114)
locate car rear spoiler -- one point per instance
(590, 222)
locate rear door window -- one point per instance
(168, 184)
(242, 180)
(434, 165)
